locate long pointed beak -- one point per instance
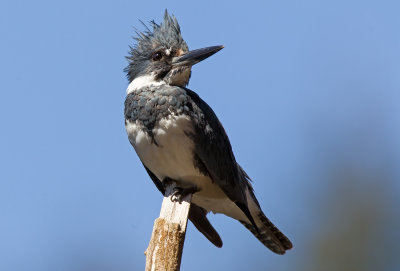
(195, 56)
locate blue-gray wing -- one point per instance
(213, 153)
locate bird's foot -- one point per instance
(180, 193)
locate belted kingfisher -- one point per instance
(178, 137)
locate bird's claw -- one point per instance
(180, 193)
(177, 195)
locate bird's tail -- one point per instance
(263, 229)
(268, 234)
(198, 216)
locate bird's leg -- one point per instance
(179, 192)
(168, 182)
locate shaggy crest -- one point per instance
(163, 36)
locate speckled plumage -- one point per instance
(150, 104)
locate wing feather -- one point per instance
(214, 150)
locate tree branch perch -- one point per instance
(164, 252)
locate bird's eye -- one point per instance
(157, 56)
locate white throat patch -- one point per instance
(180, 77)
(143, 81)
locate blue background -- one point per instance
(308, 92)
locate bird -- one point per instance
(178, 137)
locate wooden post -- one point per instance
(164, 252)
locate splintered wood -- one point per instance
(164, 252)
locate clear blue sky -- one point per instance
(307, 91)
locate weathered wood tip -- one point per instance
(166, 244)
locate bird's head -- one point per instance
(161, 54)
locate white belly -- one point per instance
(172, 157)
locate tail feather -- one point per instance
(268, 234)
(198, 217)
